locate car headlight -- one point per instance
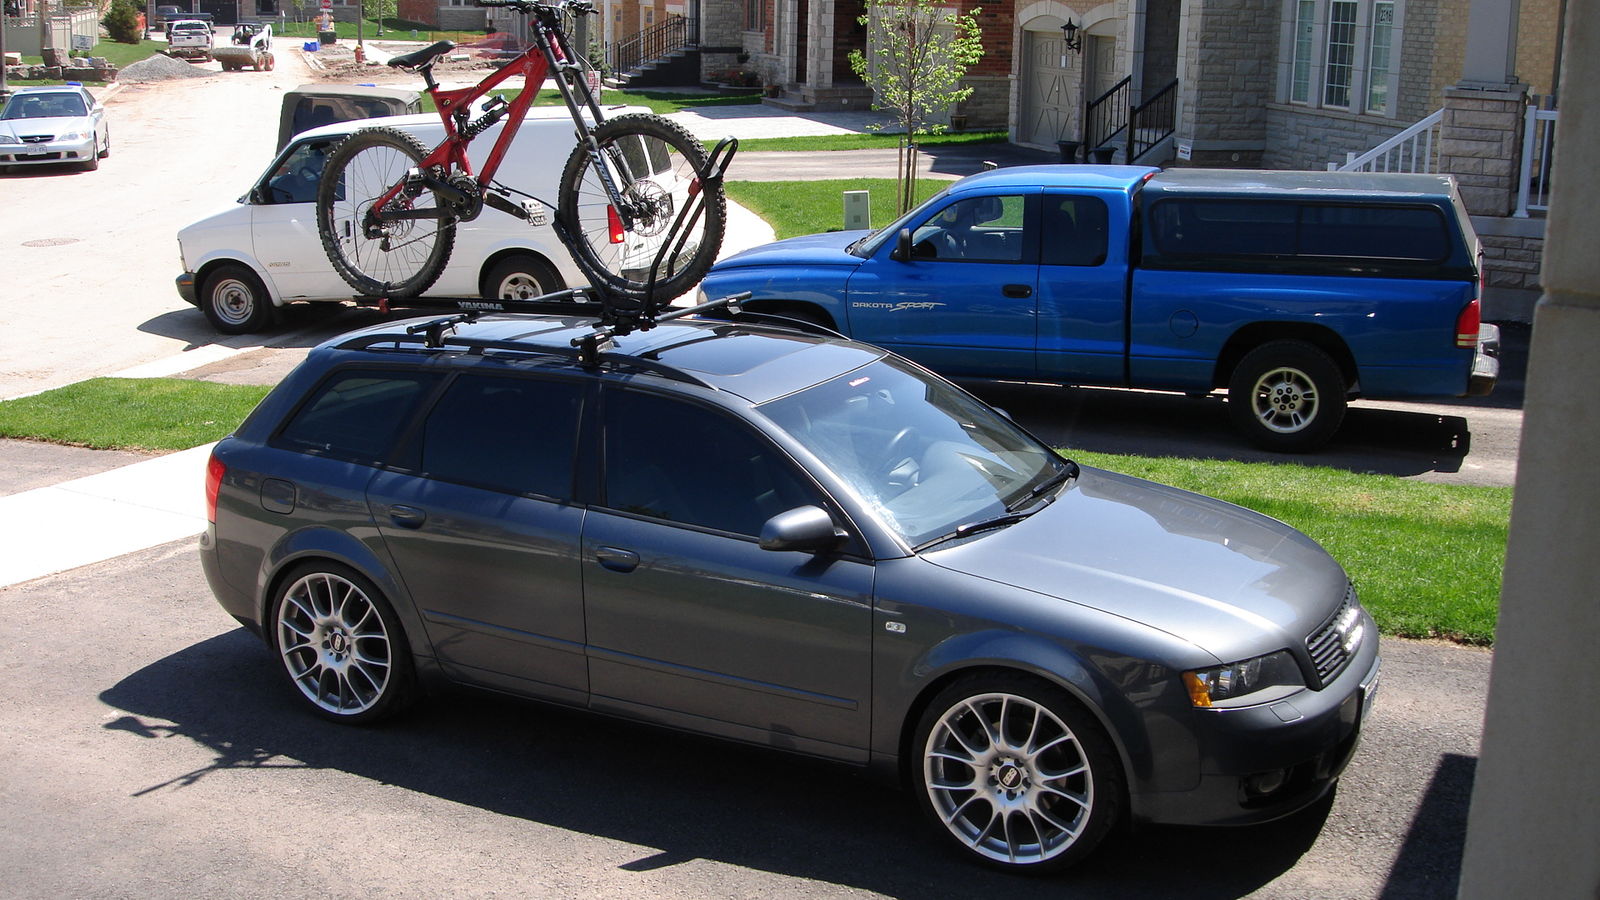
(9, 139)
(72, 136)
(1209, 686)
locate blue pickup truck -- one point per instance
(1293, 291)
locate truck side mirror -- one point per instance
(902, 246)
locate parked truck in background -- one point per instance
(1292, 291)
(189, 39)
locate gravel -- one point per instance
(160, 67)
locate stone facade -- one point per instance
(1298, 138)
(1226, 79)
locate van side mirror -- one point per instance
(902, 246)
(808, 529)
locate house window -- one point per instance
(754, 15)
(1341, 54)
(1378, 67)
(1305, 29)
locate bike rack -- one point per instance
(615, 316)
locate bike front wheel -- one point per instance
(375, 255)
(646, 252)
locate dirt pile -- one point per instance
(160, 67)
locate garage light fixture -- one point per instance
(1069, 33)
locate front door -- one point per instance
(283, 211)
(965, 302)
(690, 623)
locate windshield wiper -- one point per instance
(1000, 521)
(1064, 474)
(851, 248)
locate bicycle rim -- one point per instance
(392, 258)
(654, 165)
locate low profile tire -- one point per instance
(235, 301)
(93, 162)
(519, 277)
(1016, 772)
(340, 645)
(1287, 396)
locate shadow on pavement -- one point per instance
(1429, 864)
(1109, 420)
(689, 798)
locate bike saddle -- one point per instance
(419, 58)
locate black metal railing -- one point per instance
(1152, 121)
(660, 39)
(1107, 115)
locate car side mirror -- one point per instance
(902, 246)
(808, 529)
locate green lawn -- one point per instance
(131, 413)
(393, 30)
(809, 207)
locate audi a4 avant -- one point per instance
(790, 539)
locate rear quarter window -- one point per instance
(356, 415)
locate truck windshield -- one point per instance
(869, 245)
(922, 454)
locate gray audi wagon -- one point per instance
(794, 540)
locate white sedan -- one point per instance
(53, 125)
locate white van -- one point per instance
(243, 263)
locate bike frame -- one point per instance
(548, 52)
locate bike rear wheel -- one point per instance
(396, 258)
(655, 165)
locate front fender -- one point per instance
(820, 286)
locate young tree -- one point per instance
(918, 55)
(122, 22)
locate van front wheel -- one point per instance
(1287, 396)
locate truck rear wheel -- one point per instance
(1287, 396)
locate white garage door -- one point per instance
(1050, 95)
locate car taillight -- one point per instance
(214, 472)
(1467, 325)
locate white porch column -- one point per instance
(1534, 828)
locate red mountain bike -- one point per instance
(640, 204)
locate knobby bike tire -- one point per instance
(661, 161)
(405, 257)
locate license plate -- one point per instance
(1369, 693)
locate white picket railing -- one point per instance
(1538, 155)
(1414, 150)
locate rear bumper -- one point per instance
(1485, 363)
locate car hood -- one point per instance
(812, 249)
(45, 125)
(1231, 581)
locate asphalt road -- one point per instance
(149, 750)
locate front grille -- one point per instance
(1335, 643)
(38, 138)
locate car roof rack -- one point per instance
(440, 333)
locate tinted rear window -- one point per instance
(1253, 228)
(356, 415)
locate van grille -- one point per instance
(1334, 644)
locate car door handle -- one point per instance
(407, 516)
(1017, 290)
(616, 559)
